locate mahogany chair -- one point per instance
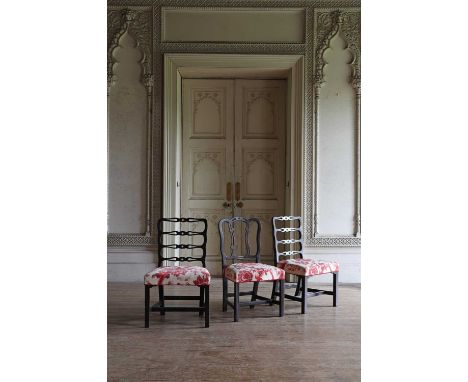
(244, 246)
(288, 255)
(168, 241)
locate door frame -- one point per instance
(186, 65)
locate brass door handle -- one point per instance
(228, 191)
(239, 204)
(237, 191)
(226, 204)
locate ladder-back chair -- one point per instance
(288, 255)
(169, 240)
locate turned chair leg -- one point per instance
(161, 300)
(147, 303)
(207, 306)
(335, 289)
(236, 302)
(254, 293)
(281, 302)
(304, 294)
(202, 299)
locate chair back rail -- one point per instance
(239, 229)
(169, 240)
(287, 237)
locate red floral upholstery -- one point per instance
(248, 272)
(308, 267)
(177, 275)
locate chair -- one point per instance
(288, 245)
(170, 239)
(242, 230)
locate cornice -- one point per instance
(237, 3)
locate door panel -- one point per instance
(260, 145)
(233, 155)
(207, 157)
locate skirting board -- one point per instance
(130, 265)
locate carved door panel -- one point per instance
(233, 155)
(207, 155)
(260, 143)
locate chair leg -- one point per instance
(225, 294)
(161, 299)
(254, 293)
(207, 306)
(281, 304)
(273, 295)
(335, 288)
(236, 302)
(298, 286)
(147, 303)
(304, 294)
(202, 299)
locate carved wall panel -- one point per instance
(260, 169)
(260, 113)
(337, 135)
(336, 146)
(207, 165)
(127, 141)
(208, 113)
(129, 89)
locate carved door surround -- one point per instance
(177, 66)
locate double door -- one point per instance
(233, 155)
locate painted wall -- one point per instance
(139, 36)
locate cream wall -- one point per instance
(139, 35)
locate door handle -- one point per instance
(239, 204)
(226, 204)
(237, 191)
(228, 192)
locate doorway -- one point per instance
(233, 154)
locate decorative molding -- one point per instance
(211, 156)
(336, 242)
(128, 239)
(261, 48)
(309, 206)
(138, 22)
(328, 22)
(264, 4)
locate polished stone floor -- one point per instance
(323, 345)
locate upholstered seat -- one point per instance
(250, 272)
(176, 275)
(308, 267)
(288, 245)
(188, 235)
(240, 261)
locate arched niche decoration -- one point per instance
(137, 23)
(329, 23)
